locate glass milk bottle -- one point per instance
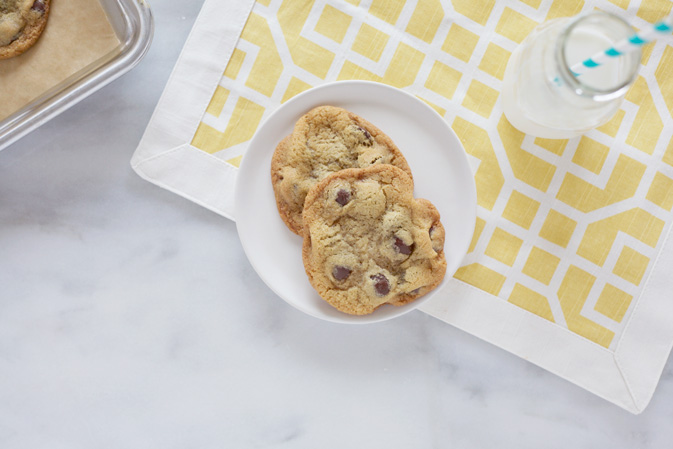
(542, 97)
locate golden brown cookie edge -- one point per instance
(29, 36)
(292, 221)
(430, 209)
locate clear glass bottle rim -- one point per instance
(575, 82)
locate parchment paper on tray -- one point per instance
(78, 34)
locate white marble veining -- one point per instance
(130, 318)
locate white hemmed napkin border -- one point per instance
(626, 377)
(165, 156)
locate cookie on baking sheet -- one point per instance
(21, 24)
(325, 140)
(368, 241)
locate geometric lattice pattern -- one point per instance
(566, 229)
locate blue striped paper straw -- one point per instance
(627, 45)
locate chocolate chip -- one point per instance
(437, 246)
(402, 247)
(381, 284)
(415, 291)
(343, 197)
(340, 273)
(368, 136)
(38, 6)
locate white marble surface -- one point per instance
(130, 318)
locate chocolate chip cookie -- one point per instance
(368, 242)
(21, 24)
(325, 140)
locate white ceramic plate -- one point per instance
(437, 160)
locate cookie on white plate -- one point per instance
(369, 242)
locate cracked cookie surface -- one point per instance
(368, 241)
(325, 140)
(21, 24)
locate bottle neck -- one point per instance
(610, 29)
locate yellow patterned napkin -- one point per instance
(567, 267)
